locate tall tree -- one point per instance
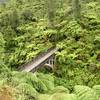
(50, 11)
(76, 9)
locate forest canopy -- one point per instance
(31, 27)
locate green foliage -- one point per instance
(60, 89)
(85, 93)
(5, 74)
(91, 17)
(63, 96)
(25, 33)
(42, 83)
(40, 86)
(48, 80)
(2, 43)
(78, 55)
(28, 91)
(97, 89)
(44, 97)
(80, 93)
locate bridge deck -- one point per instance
(36, 63)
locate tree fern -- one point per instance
(85, 93)
(96, 88)
(60, 89)
(43, 96)
(27, 90)
(63, 96)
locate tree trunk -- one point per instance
(51, 11)
(76, 10)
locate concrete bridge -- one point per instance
(44, 59)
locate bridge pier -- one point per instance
(50, 63)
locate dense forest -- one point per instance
(29, 28)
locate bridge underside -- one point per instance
(50, 62)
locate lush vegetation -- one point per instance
(30, 27)
(39, 86)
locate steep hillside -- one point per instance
(31, 27)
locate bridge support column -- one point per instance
(50, 63)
